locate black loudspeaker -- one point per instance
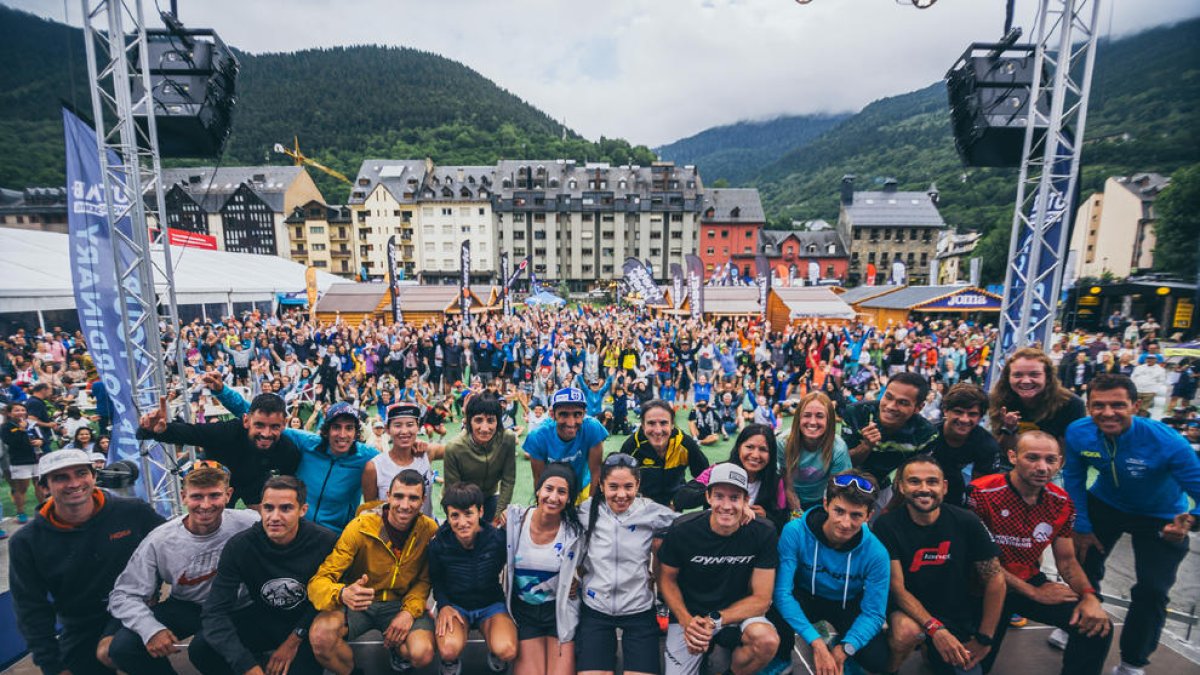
(193, 78)
(989, 101)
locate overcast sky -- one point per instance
(653, 71)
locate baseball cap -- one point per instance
(567, 396)
(728, 473)
(99, 457)
(62, 459)
(377, 424)
(343, 408)
(403, 409)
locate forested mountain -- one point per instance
(1144, 115)
(737, 152)
(344, 104)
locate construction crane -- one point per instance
(300, 160)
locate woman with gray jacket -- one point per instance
(622, 532)
(543, 553)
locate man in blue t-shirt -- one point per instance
(572, 437)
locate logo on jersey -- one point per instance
(1042, 532)
(283, 593)
(930, 557)
(722, 559)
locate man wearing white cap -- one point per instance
(64, 563)
(717, 577)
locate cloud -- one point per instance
(652, 71)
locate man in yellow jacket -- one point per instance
(382, 554)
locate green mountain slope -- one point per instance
(343, 103)
(736, 152)
(1144, 116)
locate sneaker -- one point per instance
(1126, 669)
(1058, 638)
(777, 666)
(3, 535)
(495, 664)
(1017, 621)
(450, 668)
(399, 664)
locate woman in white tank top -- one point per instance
(403, 421)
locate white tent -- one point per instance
(37, 274)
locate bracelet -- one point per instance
(932, 626)
(1088, 590)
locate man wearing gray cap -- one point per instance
(64, 563)
(717, 577)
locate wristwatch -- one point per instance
(849, 648)
(301, 632)
(716, 619)
(984, 640)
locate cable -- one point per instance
(1008, 16)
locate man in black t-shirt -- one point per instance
(937, 551)
(961, 442)
(717, 576)
(273, 561)
(882, 434)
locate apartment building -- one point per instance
(578, 223)
(1114, 229)
(242, 207)
(321, 237)
(384, 202)
(456, 206)
(889, 225)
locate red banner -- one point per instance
(191, 239)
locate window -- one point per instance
(747, 249)
(539, 251)
(587, 234)
(749, 234)
(712, 234)
(724, 234)
(655, 251)
(447, 247)
(656, 235)
(481, 211)
(447, 229)
(464, 211)
(429, 247)
(709, 251)
(427, 211)
(318, 247)
(857, 234)
(606, 269)
(587, 251)
(320, 263)
(396, 213)
(519, 235)
(871, 258)
(465, 229)
(518, 250)
(429, 230)
(447, 211)
(677, 235)
(539, 234)
(317, 229)
(518, 217)
(887, 235)
(829, 271)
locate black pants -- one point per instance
(873, 656)
(77, 644)
(259, 635)
(1155, 563)
(129, 652)
(1084, 656)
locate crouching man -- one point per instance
(377, 577)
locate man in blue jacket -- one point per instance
(331, 462)
(831, 568)
(1143, 470)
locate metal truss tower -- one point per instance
(1064, 56)
(145, 313)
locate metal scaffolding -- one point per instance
(1062, 74)
(137, 177)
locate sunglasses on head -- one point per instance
(202, 464)
(863, 485)
(620, 459)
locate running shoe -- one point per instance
(496, 665)
(1126, 669)
(399, 664)
(1058, 638)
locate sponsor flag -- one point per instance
(506, 299)
(464, 282)
(310, 288)
(96, 284)
(762, 278)
(871, 274)
(394, 276)
(676, 285)
(695, 268)
(640, 281)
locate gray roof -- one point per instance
(732, 205)
(458, 183)
(814, 301)
(858, 294)
(211, 188)
(1145, 186)
(892, 208)
(911, 296)
(398, 176)
(350, 298)
(33, 200)
(565, 185)
(952, 244)
(820, 240)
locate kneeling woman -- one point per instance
(543, 553)
(622, 531)
(757, 452)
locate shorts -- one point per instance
(596, 641)
(534, 621)
(22, 471)
(680, 661)
(378, 616)
(476, 617)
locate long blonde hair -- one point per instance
(795, 444)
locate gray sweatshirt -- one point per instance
(171, 555)
(615, 571)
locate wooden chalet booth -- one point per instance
(799, 304)
(925, 303)
(353, 303)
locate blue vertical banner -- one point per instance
(95, 281)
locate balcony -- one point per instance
(341, 252)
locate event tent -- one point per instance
(37, 275)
